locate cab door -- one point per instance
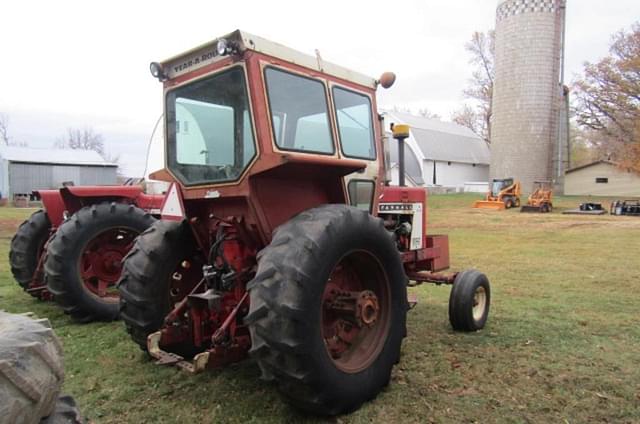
(356, 135)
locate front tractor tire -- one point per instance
(328, 309)
(84, 256)
(27, 246)
(469, 301)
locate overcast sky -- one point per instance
(83, 63)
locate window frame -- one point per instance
(338, 132)
(256, 146)
(284, 119)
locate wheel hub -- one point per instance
(101, 261)
(367, 308)
(355, 312)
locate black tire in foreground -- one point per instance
(31, 369)
(83, 261)
(65, 412)
(27, 246)
(298, 338)
(469, 301)
(145, 283)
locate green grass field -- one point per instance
(562, 343)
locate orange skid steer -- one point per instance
(540, 199)
(504, 194)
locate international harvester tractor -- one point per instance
(71, 251)
(279, 236)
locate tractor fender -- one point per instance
(76, 198)
(53, 204)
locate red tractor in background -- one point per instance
(78, 241)
(280, 237)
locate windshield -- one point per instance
(209, 132)
(498, 185)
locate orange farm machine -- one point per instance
(540, 199)
(279, 236)
(78, 241)
(504, 194)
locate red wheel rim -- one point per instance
(101, 262)
(355, 312)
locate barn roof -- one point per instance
(444, 141)
(53, 156)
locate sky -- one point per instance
(73, 64)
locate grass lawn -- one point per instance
(562, 343)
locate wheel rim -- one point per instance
(101, 262)
(479, 303)
(355, 313)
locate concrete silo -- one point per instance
(527, 140)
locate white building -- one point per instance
(439, 153)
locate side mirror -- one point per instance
(387, 79)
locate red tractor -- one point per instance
(280, 237)
(78, 241)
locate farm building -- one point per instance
(24, 169)
(439, 153)
(601, 178)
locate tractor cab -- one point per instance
(246, 117)
(497, 185)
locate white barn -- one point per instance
(439, 153)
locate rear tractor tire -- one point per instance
(84, 256)
(151, 276)
(328, 309)
(31, 369)
(469, 301)
(27, 245)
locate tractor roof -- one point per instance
(206, 54)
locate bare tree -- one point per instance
(4, 128)
(82, 139)
(426, 113)
(468, 117)
(477, 117)
(607, 100)
(402, 109)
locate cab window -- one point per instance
(209, 129)
(299, 112)
(355, 126)
(361, 194)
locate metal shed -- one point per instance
(24, 169)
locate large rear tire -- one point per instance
(84, 256)
(298, 332)
(27, 246)
(31, 369)
(151, 272)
